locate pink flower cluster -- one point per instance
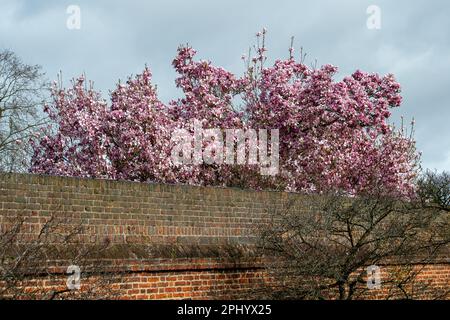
(334, 135)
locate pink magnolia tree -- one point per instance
(334, 135)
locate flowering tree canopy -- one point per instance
(334, 135)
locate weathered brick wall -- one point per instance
(130, 212)
(199, 280)
(195, 278)
(134, 213)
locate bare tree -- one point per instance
(434, 190)
(323, 251)
(22, 91)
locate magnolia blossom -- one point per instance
(334, 135)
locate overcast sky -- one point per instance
(117, 38)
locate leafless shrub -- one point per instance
(322, 252)
(35, 255)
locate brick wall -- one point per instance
(127, 213)
(185, 279)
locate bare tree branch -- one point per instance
(22, 93)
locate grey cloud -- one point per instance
(117, 38)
